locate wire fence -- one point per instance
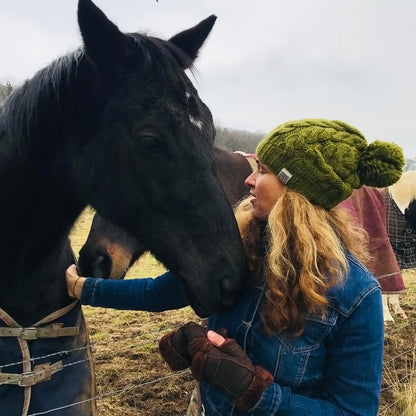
(97, 357)
(113, 393)
(399, 375)
(399, 364)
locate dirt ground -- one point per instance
(132, 379)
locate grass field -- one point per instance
(132, 379)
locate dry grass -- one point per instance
(402, 392)
(132, 379)
(398, 396)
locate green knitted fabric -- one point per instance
(328, 159)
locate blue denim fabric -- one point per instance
(333, 368)
(152, 295)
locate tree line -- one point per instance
(5, 91)
(233, 139)
(228, 138)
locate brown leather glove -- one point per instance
(173, 346)
(229, 368)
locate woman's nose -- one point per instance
(250, 181)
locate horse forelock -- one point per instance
(162, 57)
(170, 64)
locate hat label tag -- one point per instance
(284, 175)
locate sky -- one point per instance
(265, 62)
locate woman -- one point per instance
(306, 338)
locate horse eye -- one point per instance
(150, 143)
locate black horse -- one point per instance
(110, 251)
(118, 125)
(410, 214)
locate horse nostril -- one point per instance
(227, 292)
(101, 267)
(226, 284)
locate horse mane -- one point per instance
(53, 87)
(164, 53)
(25, 105)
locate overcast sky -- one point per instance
(265, 62)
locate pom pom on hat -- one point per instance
(381, 164)
(325, 160)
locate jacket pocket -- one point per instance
(300, 360)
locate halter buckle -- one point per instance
(29, 333)
(27, 379)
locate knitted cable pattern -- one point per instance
(328, 159)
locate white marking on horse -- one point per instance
(195, 122)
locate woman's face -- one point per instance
(265, 187)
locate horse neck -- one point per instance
(40, 201)
(35, 250)
(47, 117)
(37, 215)
(30, 295)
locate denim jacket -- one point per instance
(333, 368)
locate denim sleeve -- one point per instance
(152, 295)
(353, 371)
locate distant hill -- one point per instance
(233, 139)
(410, 164)
(246, 141)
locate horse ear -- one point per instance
(103, 41)
(191, 40)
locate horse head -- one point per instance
(110, 251)
(155, 171)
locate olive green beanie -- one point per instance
(325, 160)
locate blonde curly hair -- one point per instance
(300, 252)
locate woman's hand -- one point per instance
(228, 367)
(74, 283)
(173, 346)
(217, 360)
(215, 338)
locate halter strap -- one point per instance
(29, 333)
(40, 373)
